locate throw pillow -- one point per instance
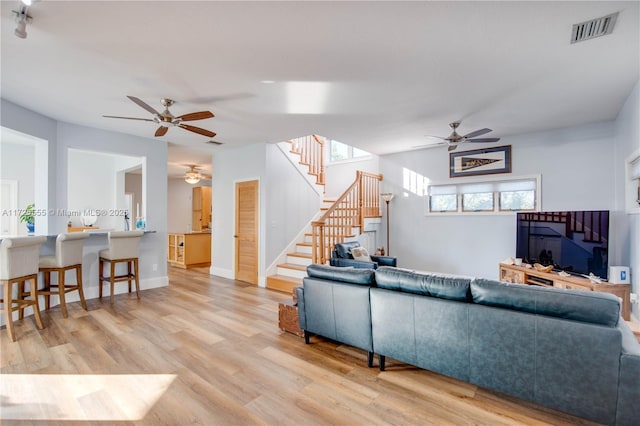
(361, 253)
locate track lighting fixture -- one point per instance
(22, 17)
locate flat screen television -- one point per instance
(576, 242)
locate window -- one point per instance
(341, 151)
(485, 197)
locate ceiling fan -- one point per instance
(454, 138)
(193, 175)
(165, 119)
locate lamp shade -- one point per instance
(387, 196)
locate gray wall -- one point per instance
(576, 166)
(62, 136)
(627, 225)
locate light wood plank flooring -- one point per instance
(207, 350)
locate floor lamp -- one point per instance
(387, 197)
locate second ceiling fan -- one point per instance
(165, 119)
(454, 138)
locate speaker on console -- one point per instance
(619, 275)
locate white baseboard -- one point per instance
(221, 272)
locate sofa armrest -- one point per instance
(385, 260)
(337, 261)
(628, 411)
(302, 317)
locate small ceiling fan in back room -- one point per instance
(165, 119)
(454, 139)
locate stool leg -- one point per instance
(8, 313)
(47, 287)
(129, 275)
(100, 269)
(21, 294)
(80, 289)
(63, 301)
(36, 306)
(135, 270)
(111, 280)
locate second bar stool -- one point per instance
(68, 256)
(123, 248)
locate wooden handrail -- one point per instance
(361, 200)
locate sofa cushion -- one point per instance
(343, 250)
(342, 274)
(577, 305)
(360, 253)
(450, 287)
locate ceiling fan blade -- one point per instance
(483, 140)
(144, 105)
(452, 147)
(198, 130)
(196, 116)
(435, 137)
(128, 118)
(161, 131)
(477, 133)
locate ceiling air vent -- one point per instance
(212, 142)
(593, 28)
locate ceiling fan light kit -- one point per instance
(166, 119)
(193, 176)
(22, 18)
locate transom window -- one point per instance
(339, 151)
(483, 197)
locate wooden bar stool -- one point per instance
(18, 265)
(68, 256)
(123, 248)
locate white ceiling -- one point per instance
(393, 71)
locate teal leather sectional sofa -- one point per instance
(565, 349)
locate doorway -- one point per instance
(246, 235)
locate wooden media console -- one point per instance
(525, 275)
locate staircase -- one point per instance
(290, 273)
(338, 220)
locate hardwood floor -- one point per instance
(207, 350)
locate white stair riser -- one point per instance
(291, 272)
(298, 260)
(303, 249)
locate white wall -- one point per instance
(576, 165)
(339, 176)
(290, 203)
(17, 163)
(627, 225)
(179, 199)
(91, 186)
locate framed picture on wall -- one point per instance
(485, 161)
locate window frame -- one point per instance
(462, 186)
